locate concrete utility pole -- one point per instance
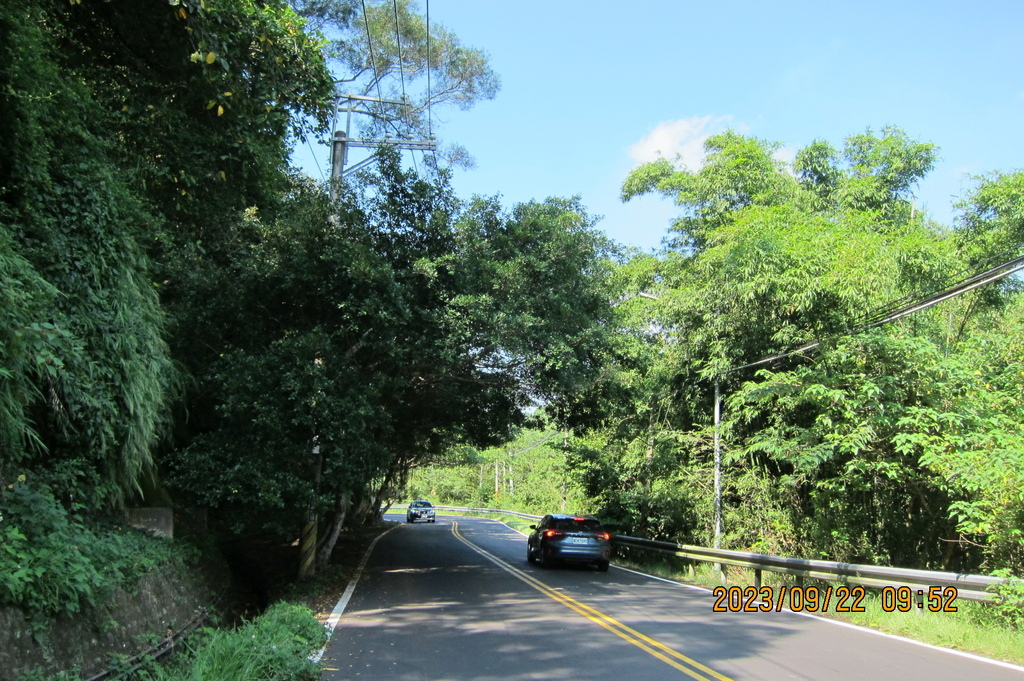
(718, 466)
(718, 474)
(350, 104)
(307, 540)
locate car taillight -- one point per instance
(553, 533)
(603, 535)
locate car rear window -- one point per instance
(578, 525)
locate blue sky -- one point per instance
(592, 88)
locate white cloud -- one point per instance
(681, 141)
(787, 155)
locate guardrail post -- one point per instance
(800, 581)
(757, 579)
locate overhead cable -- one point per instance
(884, 310)
(430, 114)
(978, 280)
(401, 69)
(373, 62)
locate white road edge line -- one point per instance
(339, 609)
(952, 651)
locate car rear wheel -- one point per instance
(602, 566)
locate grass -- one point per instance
(275, 644)
(969, 629)
(962, 630)
(271, 647)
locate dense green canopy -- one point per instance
(895, 443)
(186, 320)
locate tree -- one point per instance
(530, 473)
(878, 176)
(204, 97)
(388, 50)
(867, 445)
(873, 174)
(361, 338)
(991, 219)
(738, 172)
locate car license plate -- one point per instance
(580, 540)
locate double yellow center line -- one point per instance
(674, 659)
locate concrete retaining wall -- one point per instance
(126, 624)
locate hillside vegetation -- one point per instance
(857, 423)
(186, 320)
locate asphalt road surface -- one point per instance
(456, 600)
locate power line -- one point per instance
(341, 141)
(398, 41)
(430, 113)
(313, 151)
(891, 306)
(429, 122)
(373, 62)
(401, 70)
(988, 276)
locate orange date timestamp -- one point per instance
(841, 599)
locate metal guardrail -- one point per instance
(516, 514)
(968, 587)
(463, 509)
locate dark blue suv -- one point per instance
(569, 538)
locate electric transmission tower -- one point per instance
(358, 104)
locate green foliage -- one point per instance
(975, 440)
(530, 474)
(52, 562)
(882, 171)
(328, 327)
(202, 97)
(874, 174)
(895, 445)
(991, 223)
(28, 349)
(1008, 611)
(381, 49)
(276, 334)
(203, 100)
(382, 335)
(274, 646)
(535, 295)
(738, 172)
(833, 429)
(83, 340)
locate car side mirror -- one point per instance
(533, 527)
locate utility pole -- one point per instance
(308, 539)
(718, 466)
(350, 104)
(718, 474)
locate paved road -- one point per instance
(457, 601)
